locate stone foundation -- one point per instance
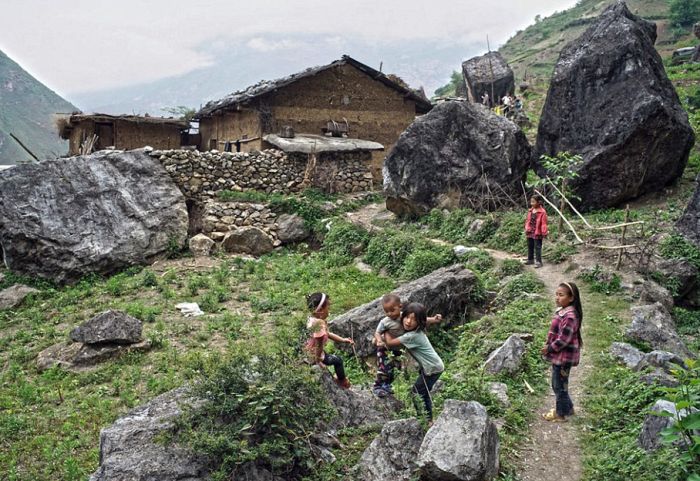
(225, 216)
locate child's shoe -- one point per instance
(387, 387)
(345, 383)
(528, 262)
(538, 265)
(379, 392)
(553, 417)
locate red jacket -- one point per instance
(564, 338)
(540, 223)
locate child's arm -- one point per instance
(567, 331)
(390, 341)
(337, 338)
(436, 319)
(378, 339)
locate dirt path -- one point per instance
(547, 439)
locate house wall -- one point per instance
(128, 135)
(375, 112)
(231, 126)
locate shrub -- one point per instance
(343, 242)
(509, 235)
(261, 406)
(479, 261)
(601, 280)
(558, 252)
(510, 267)
(422, 262)
(389, 250)
(519, 286)
(676, 247)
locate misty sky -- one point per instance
(76, 46)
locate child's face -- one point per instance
(533, 203)
(322, 312)
(410, 323)
(562, 297)
(392, 309)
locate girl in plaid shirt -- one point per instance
(563, 348)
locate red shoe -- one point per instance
(345, 383)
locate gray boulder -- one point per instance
(462, 445)
(654, 325)
(661, 359)
(451, 157)
(129, 450)
(13, 296)
(108, 327)
(610, 101)
(689, 223)
(292, 228)
(506, 358)
(201, 245)
(500, 391)
(393, 454)
(650, 292)
(488, 73)
(628, 354)
(248, 240)
(683, 273)
(63, 219)
(650, 435)
(659, 377)
(76, 356)
(447, 291)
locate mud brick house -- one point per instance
(123, 132)
(372, 106)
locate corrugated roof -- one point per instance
(310, 143)
(242, 97)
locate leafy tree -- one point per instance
(182, 112)
(684, 13)
(450, 89)
(561, 169)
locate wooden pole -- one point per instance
(562, 206)
(24, 147)
(622, 240)
(561, 215)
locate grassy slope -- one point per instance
(26, 110)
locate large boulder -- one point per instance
(76, 356)
(689, 223)
(292, 228)
(248, 240)
(610, 101)
(680, 272)
(507, 358)
(488, 73)
(650, 435)
(13, 296)
(462, 445)
(628, 354)
(393, 454)
(129, 449)
(108, 327)
(654, 325)
(63, 219)
(454, 156)
(447, 291)
(201, 245)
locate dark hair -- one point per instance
(537, 197)
(390, 299)
(572, 289)
(313, 300)
(420, 313)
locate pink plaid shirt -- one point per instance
(564, 340)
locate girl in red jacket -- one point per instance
(535, 230)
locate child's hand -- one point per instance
(349, 341)
(545, 350)
(438, 317)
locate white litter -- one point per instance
(189, 309)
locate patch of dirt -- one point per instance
(372, 217)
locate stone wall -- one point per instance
(200, 175)
(221, 217)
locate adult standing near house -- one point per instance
(486, 100)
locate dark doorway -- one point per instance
(105, 135)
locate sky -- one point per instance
(79, 46)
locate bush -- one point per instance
(519, 286)
(676, 247)
(558, 252)
(601, 280)
(260, 406)
(479, 261)
(389, 250)
(510, 235)
(510, 267)
(343, 242)
(422, 262)
(684, 13)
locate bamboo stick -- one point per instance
(622, 238)
(562, 216)
(615, 247)
(625, 224)
(570, 204)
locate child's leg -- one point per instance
(382, 366)
(337, 363)
(560, 385)
(538, 250)
(530, 250)
(422, 387)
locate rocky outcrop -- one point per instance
(506, 358)
(393, 454)
(129, 451)
(682, 273)
(650, 292)
(13, 296)
(248, 240)
(489, 73)
(453, 157)
(689, 223)
(462, 445)
(654, 325)
(610, 101)
(108, 327)
(63, 219)
(628, 354)
(447, 291)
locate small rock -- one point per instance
(217, 236)
(628, 354)
(650, 292)
(660, 377)
(650, 436)
(661, 359)
(76, 356)
(362, 267)
(108, 327)
(462, 445)
(461, 250)
(248, 240)
(500, 390)
(13, 296)
(506, 358)
(525, 336)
